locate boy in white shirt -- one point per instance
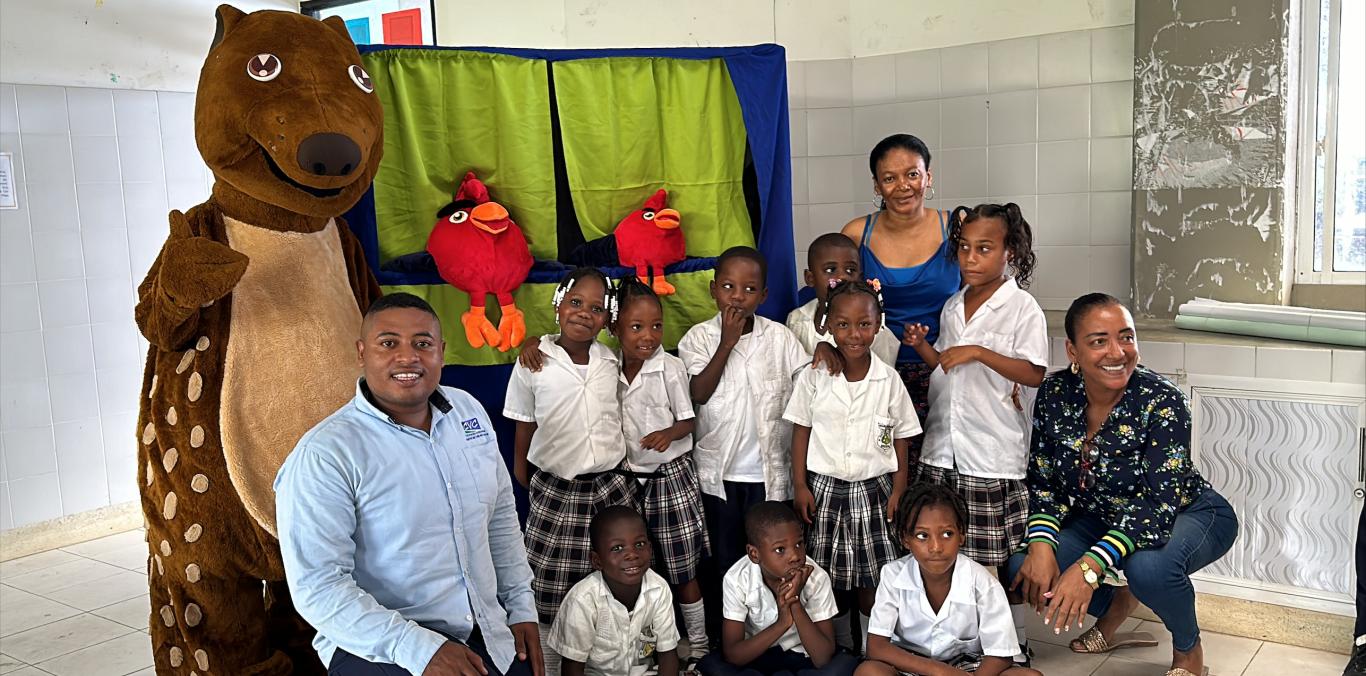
(741, 366)
(777, 605)
(618, 621)
(833, 258)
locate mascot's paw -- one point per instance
(661, 287)
(479, 331)
(203, 271)
(511, 328)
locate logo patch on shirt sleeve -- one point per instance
(473, 430)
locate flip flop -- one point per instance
(1093, 642)
(1178, 671)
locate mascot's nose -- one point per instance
(329, 155)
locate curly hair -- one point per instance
(928, 494)
(1019, 236)
(849, 287)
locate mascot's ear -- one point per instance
(337, 24)
(227, 17)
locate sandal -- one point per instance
(1093, 642)
(1178, 671)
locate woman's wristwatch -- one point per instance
(1088, 573)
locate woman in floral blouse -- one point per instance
(1111, 486)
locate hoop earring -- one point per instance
(879, 202)
(929, 195)
(1075, 370)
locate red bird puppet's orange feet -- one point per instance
(511, 328)
(661, 287)
(478, 329)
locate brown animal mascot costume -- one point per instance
(252, 310)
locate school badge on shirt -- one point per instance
(473, 430)
(884, 435)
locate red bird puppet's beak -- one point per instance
(490, 217)
(666, 219)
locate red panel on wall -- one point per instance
(403, 27)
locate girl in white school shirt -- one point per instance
(991, 355)
(850, 433)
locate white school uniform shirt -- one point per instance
(575, 408)
(974, 619)
(801, 322)
(852, 424)
(741, 434)
(745, 598)
(974, 425)
(593, 627)
(656, 399)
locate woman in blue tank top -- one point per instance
(905, 245)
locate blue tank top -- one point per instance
(916, 294)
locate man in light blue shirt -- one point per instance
(397, 521)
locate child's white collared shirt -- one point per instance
(974, 424)
(745, 413)
(654, 400)
(745, 598)
(575, 408)
(801, 322)
(852, 424)
(974, 619)
(593, 627)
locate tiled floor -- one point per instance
(82, 610)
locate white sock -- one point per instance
(863, 635)
(1019, 612)
(551, 658)
(844, 635)
(695, 622)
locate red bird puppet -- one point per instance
(479, 250)
(648, 239)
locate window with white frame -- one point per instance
(1331, 199)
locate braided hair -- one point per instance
(927, 494)
(848, 287)
(630, 288)
(1019, 241)
(609, 300)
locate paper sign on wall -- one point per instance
(9, 199)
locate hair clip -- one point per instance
(560, 291)
(611, 300)
(876, 284)
(833, 282)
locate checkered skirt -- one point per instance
(557, 545)
(671, 502)
(850, 537)
(998, 512)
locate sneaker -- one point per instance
(1356, 666)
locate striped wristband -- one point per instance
(1113, 547)
(1043, 528)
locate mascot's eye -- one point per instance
(361, 78)
(648, 215)
(459, 217)
(264, 67)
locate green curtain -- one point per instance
(634, 125)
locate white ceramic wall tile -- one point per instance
(1010, 169)
(63, 302)
(1112, 54)
(829, 83)
(119, 388)
(106, 253)
(1112, 163)
(874, 80)
(801, 224)
(963, 70)
(144, 205)
(29, 452)
(874, 123)
(832, 217)
(120, 435)
(829, 179)
(19, 308)
(828, 132)
(1013, 65)
(1064, 220)
(69, 350)
(1064, 59)
(800, 195)
(123, 477)
(1029, 206)
(21, 356)
(917, 75)
(963, 122)
(1064, 167)
(1057, 353)
(9, 110)
(96, 158)
(1064, 113)
(1012, 117)
(176, 113)
(35, 499)
(1111, 217)
(140, 158)
(1162, 356)
(70, 396)
(115, 345)
(100, 206)
(181, 158)
(135, 113)
(1349, 366)
(80, 465)
(47, 158)
(1219, 360)
(960, 173)
(1055, 271)
(91, 111)
(796, 129)
(111, 300)
(23, 404)
(1112, 109)
(57, 255)
(1111, 271)
(42, 109)
(1295, 363)
(183, 195)
(16, 249)
(52, 206)
(796, 85)
(7, 522)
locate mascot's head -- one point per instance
(285, 113)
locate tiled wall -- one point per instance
(97, 171)
(1045, 121)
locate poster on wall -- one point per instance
(379, 22)
(8, 198)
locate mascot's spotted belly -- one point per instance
(252, 310)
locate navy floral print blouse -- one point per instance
(1143, 471)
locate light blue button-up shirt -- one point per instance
(392, 536)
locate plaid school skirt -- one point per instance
(916, 377)
(998, 512)
(557, 545)
(671, 502)
(850, 537)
